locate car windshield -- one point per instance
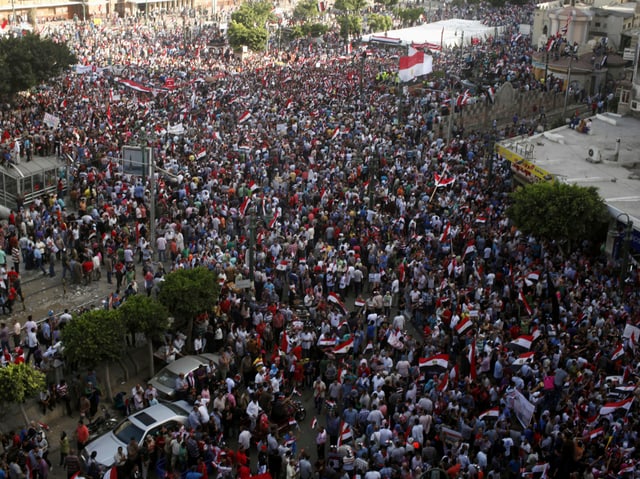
(167, 378)
(127, 430)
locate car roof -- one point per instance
(185, 364)
(157, 413)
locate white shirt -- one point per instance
(253, 409)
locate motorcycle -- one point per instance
(98, 425)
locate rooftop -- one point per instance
(563, 153)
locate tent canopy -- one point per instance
(450, 33)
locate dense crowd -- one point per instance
(432, 334)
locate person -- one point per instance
(321, 440)
(32, 343)
(62, 392)
(72, 463)
(82, 435)
(65, 447)
(253, 410)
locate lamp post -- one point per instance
(566, 92)
(626, 244)
(151, 174)
(252, 243)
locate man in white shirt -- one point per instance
(253, 410)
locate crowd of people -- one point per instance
(433, 335)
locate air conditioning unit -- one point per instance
(635, 105)
(593, 155)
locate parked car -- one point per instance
(148, 421)
(165, 380)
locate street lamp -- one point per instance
(151, 174)
(626, 244)
(566, 92)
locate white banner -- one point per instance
(522, 407)
(52, 121)
(176, 129)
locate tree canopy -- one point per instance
(350, 25)
(94, 337)
(305, 11)
(379, 23)
(559, 212)
(188, 293)
(350, 6)
(142, 314)
(249, 25)
(29, 60)
(20, 382)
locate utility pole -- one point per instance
(151, 176)
(626, 244)
(252, 244)
(566, 92)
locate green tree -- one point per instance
(93, 338)
(409, 16)
(142, 314)
(29, 60)
(387, 3)
(350, 25)
(379, 23)
(350, 6)
(559, 212)
(314, 29)
(305, 11)
(249, 25)
(188, 293)
(19, 383)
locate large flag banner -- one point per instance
(490, 413)
(415, 65)
(439, 361)
(177, 129)
(612, 407)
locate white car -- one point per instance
(165, 380)
(148, 421)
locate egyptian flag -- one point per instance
(444, 384)
(346, 434)
(472, 360)
(494, 413)
(445, 233)
(343, 347)
(360, 303)
(617, 353)
(550, 44)
(440, 361)
(337, 300)
(492, 94)
(463, 325)
(201, 154)
(244, 117)
(273, 221)
(612, 407)
(442, 181)
(244, 206)
(594, 433)
(523, 342)
(314, 423)
(284, 342)
(522, 298)
(524, 358)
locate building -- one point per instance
(608, 158)
(21, 11)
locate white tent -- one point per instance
(450, 32)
